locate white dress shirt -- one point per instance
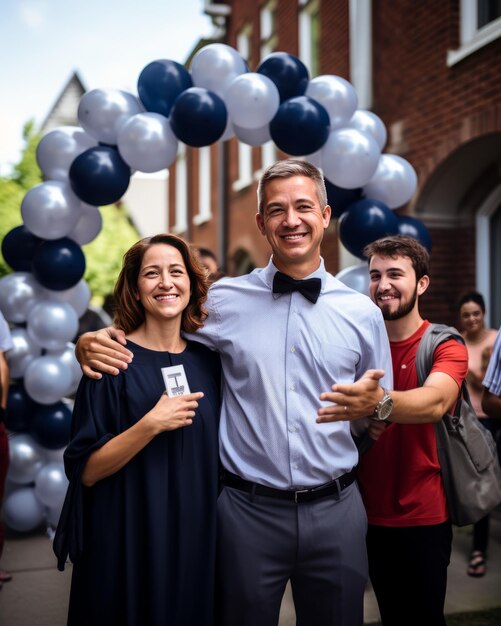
(492, 380)
(279, 352)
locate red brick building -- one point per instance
(431, 71)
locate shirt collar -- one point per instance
(269, 272)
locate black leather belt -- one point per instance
(332, 488)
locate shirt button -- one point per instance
(294, 466)
(292, 387)
(293, 349)
(292, 429)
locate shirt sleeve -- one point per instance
(492, 380)
(451, 357)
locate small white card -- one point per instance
(175, 380)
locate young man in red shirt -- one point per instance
(409, 536)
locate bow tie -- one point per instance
(309, 287)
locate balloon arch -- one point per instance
(91, 165)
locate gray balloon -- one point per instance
(26, 459)
(51, 485)
(78, 296)
(89, 225)
(47, 379)
(22, 510)
(52, 324)
(356, 277)
(19, 292)
(67, 356)
(50, 210)
(22, 353)
(58, 148)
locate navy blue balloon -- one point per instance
(160, 83)
(58, 264)
(20, 409)
(18, 247)
(412, 227)
(289, 74)
(364, 222)
(339, 199)
(99, 175)
(198, 117)
(51, 425)
(300, 126)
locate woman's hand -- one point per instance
(171, 413)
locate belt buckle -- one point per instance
(299, 491)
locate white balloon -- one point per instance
(19, 291)
(57, 150)
(336, 95)
(349, 158)
(369, 123)
(101, 112)
(214, 67)
(253, 136)
(394, 181)
(50, 210)
(22, 353)
(26, 459)
(67, 356)
(252, 100)
(357, 277)
(229, 131)
(88, 226)
(22, 510)
(78, 296)
(51, 485)
(52, 324)
(146, 142)
(47, 379)
(54, 456)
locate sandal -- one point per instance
(476, 566)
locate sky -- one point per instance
(43, 42)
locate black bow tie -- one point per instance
(309, 287)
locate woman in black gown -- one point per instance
(139, 517)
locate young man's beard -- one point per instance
(403, 309)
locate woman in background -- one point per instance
(479, 341)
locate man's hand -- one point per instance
(103, 350)
(352, 401)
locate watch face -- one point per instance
(385, 408)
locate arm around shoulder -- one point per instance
(102, 350)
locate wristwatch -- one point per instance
(383, 408)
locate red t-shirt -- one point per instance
(399, 476)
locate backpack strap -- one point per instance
(433, 336)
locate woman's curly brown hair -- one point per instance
(129, 312)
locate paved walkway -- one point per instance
(38, 593)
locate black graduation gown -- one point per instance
(143, 540)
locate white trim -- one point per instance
(204, 187)
(361, 51)
(471, 37)
(483, 246)
(181, 206)
(244, 167)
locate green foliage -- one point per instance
(27, 173)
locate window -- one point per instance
(361, 51)
(309, 35)
(204, 186)
(244, 150)
(181, 224)
(480, 23)
(268, 31)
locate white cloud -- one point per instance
(33, 14)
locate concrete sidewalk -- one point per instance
(38, 593)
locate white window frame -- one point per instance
(361, 51)
(204, 186)
(307, 9)
(244, 150)
(181, 225)
(483, 246)
(472, 38)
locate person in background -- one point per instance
(139, 519)
(480, 342)
(209, 260)
(289, 508)
(5, 345)
(409, 538)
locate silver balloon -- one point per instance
(253, 136)
(394, 181)
(67, 356)
(369, 123)
(26, 459)
(50, 210)
(57, 150)
(47, 379)
(22, 353)
(51, 485)
(214, 67)
(52, 515)
(252, 100)
(55, 456)
(101, 112)
(22, 510)
(146, 142)
(52, 324)
(336, 95)
(349, 158)
(89, 225)
(19, 291)
(357, 277)
(78, 296)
